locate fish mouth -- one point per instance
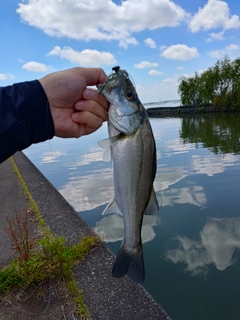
(118, 78)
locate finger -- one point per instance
(87, 119)
(92, 94)
(92, 107)
(92, 76)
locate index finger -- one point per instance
(92, 76)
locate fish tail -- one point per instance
(129, 263)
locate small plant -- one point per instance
(19, 230)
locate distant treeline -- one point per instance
(218, 86)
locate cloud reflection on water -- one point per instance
(111, 228)
(89, 191)
(212, 164)
(94, 155)
(52, 156)
(189, 195)
(219, 239)
(175, 146)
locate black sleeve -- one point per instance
(25, 117)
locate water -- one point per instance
(163, 104)
(191, 248)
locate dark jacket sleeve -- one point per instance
(25, 117)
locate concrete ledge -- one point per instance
(184, 110)
(107, 298)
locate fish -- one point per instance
(133, 153)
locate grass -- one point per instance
(51, 259)
(32, 203)
(38, 260)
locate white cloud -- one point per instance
(145, 64)
(174, 79)
(37, 67)
(150, 43)
(154, 73)
(163, 47)
(228, 50)
(216, 36)
(86, 57)
(200, 71)
(6, 76)
(180, 68)
(215, 14)
(180, 52)
(125, 42)
(102, 20)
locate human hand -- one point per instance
(76, 110)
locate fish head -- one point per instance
(126, 111)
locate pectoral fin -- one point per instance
(106, 144)
(112, 207)
(152, 207)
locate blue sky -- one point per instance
(156, 41)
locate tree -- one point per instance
(219, 85)
(189, 90)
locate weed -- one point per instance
(52, 259)
(32, 203)
(19, 230)
(79, 299)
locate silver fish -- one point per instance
(133, 154)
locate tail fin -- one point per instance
(131, 264)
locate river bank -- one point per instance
(190, 109)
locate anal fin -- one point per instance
(112, 207)
(152, 206)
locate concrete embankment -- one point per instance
(184, 110)
(106, 297)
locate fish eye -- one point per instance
(129, 95)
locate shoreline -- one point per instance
(180, 110)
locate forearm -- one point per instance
(25, 117)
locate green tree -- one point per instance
(218, 85)
(189, 90)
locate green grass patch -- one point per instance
(52, 259)
(32, 203)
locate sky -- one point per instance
(156, 41)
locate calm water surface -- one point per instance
(192, 247)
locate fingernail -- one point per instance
(89, 93)
(75, 116)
